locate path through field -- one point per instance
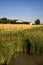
(24, 59)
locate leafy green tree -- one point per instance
(3, 20)
(37, 21)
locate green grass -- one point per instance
(11, 41)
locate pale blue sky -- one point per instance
(28, 10)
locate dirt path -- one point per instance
(25, 59)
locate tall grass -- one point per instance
(14, 40)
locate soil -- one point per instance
(25, 59)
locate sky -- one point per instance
(26, 10)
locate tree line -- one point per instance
(9, 21)
(6, 21)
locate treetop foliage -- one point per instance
(9, 21)
(37, 21)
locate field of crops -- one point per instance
(17, 26)
(13, 38)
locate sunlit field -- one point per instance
(17, 26)
(13, 38)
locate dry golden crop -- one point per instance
(8, 27)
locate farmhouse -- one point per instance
(19, 21)
(23, 22)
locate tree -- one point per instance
(37, 21)
(3, 20)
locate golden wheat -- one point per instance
(17, 26)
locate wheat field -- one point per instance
(13, 37)
(17, 26)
